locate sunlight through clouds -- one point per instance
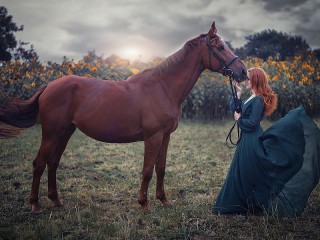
(150, 28)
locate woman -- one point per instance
(276, 170)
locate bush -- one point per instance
(296, 82)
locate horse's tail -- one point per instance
(17, 114)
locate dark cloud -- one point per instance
(159, 28)
(311, 34)
(280, 5)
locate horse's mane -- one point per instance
(176, 58)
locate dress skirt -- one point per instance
(275, 170)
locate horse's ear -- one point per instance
(213, 30)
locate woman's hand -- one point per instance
(236, 116)
(238, 88)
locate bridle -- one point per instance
(226, 70)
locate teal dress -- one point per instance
(273, 170)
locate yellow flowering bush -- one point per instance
(22, 79)
(297, 82)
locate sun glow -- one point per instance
(130, 53)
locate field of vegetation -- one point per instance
(99, 182)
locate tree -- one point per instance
(316, 53)
(25, 55)
(7, 39)
(275, 44)
(8, 42)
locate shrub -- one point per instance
(296, 82)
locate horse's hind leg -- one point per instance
(46, 151)
(38, 167)
(160, 170)
(49, 153)
(53, 164)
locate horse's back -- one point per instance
(80, 89)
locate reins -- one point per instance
(235, 98)
(237, 105)
(227, 71)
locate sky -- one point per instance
(144, 29)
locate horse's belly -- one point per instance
(119, 139)
(114, 135)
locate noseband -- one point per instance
(226, 70)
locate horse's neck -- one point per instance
(181, 78)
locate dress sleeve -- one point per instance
(233, 104)
(251, 121)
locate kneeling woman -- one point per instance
(276, 170)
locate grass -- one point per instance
(99, 182)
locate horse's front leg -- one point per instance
(160, 170)
(151, 150)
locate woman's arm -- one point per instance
(250, 122)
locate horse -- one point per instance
(145, 107)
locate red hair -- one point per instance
(259, 83)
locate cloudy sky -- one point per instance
(143, 29)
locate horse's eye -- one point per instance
(220, 48)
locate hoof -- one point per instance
(166, 204)
(58, 203)
(36, 209)
(164, 200)
(143, 201)
(146, 208)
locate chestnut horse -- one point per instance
(146, 107)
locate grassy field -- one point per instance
(98, 184)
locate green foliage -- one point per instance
(270, 43)
(8, 43)
(296, 82)
(7, 38)
(209, 99)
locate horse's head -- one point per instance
(221, 59)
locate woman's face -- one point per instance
(248, 84)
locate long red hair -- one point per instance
(259, 83)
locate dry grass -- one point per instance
(99, 182)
